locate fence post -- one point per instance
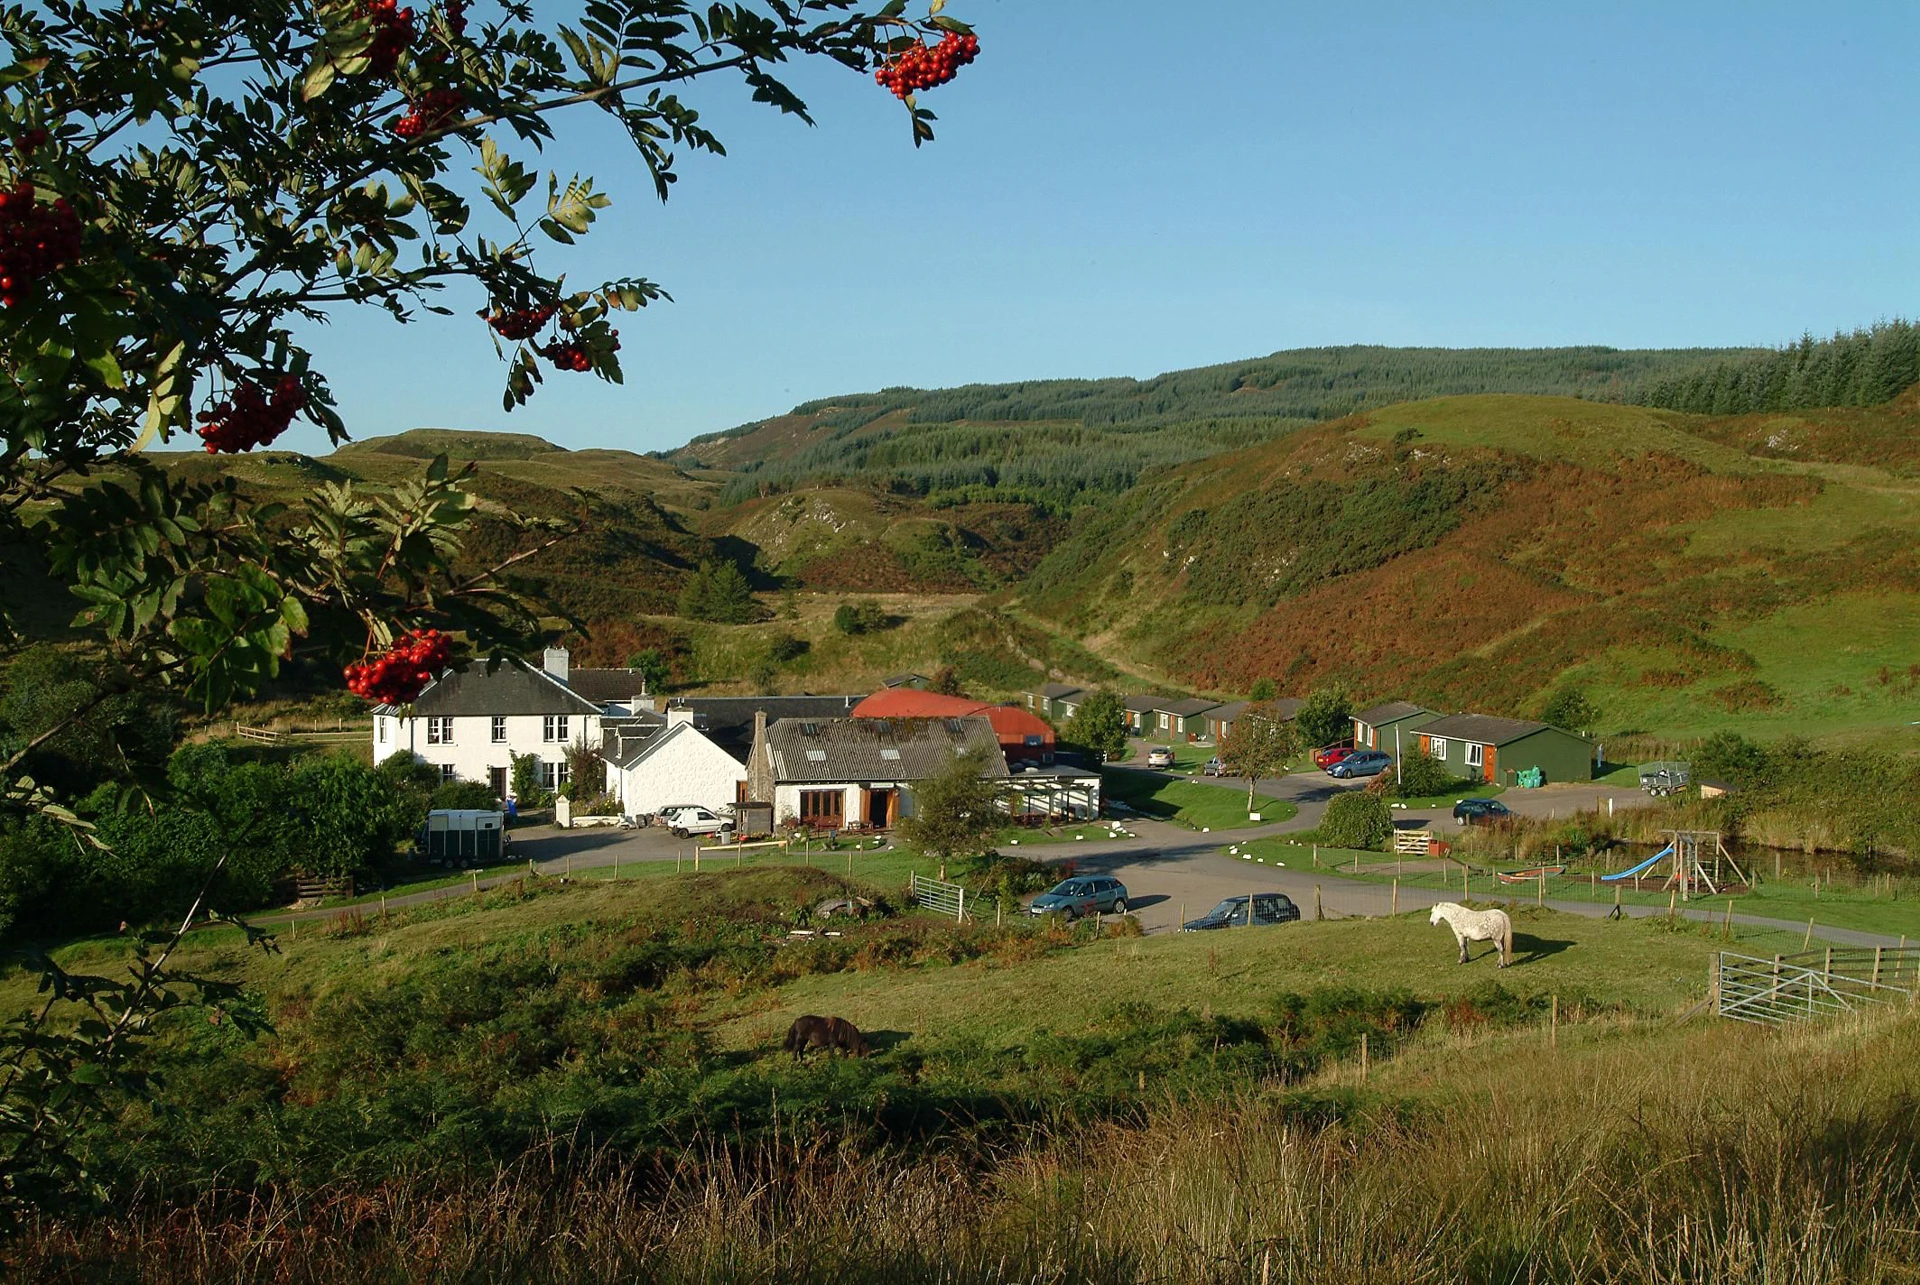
(1553, 1024)
(960, 912)
(1363, 1057)
(1318, 913)
(1396, 896)
(1876, 965)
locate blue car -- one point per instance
(1365, 763)
(1082, 895)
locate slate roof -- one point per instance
(834, 750)
(631, 749)
(1228, 712)
(1057, 691)
(624, 740)
(1391, 712)
(606, 686)
(1142, 704)
(728, 720)
(1287, 706)
(903, 680)
(1484, 728)
(509, 689)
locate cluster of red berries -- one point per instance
(249, 417)
(924, 66)
(518, 323)
(430, 113)
(35, 240)
(31, 140)
(401, 672)
(571, 354)
(457, 17)
(392, 33)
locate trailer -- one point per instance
(1662, 779)
(463, 836)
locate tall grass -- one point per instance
(1629, 1154)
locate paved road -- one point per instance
(1170, 870)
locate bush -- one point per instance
(461, 796)
(720, 594)
(863, 617)
(1421, 776)
(1358, 819)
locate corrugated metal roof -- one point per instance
(830, 750)
(1391, 712)
(1186, 708)
(1483, 728)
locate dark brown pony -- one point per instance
(829, 1033)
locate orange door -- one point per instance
(1488, 768)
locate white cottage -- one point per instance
(469, 725)
(652, 765)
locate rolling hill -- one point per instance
(1477, 552)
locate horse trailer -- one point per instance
(463, 836)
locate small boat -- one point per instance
(1531, 875)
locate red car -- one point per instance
(1328, 755)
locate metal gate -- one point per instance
(939, 896)
(1814, 983)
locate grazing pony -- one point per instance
(1476, 925)
(829, 1033)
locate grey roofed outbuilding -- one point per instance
(509, 689)
(833, 750)
(1059, 691)
(1228, 712)
(1391, 712)
(1484, 729)
(908, 679)
(1142, 704)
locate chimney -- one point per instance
(555, 662)
(675, 717)
(760, 762)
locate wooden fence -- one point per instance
(939, 896)
(1814, 983)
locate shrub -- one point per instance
(1358, 819)
(1326, 717)
(461, 795)
(1421, 776)
(863, 617)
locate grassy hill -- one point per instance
(1052, 440)
(1476, 552)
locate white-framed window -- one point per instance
(1437, 746)
(553, 775)
(440, 731)
(1166, 722)
(1475, 754)
(553, 727)
(499, 729)
(380, 730)
(446, 772)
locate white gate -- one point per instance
(939, 896)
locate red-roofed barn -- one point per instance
(1024, 737)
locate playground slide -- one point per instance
(1651, 861)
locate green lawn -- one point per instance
(1646, 965)
(1200, 805)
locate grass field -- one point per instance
(1200, 805)
(1891, 908)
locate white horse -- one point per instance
(1476, 925)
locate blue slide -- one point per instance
(1657, 857)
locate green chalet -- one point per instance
(1483, 748)
(1390, 727)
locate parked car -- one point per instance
(1082, 895)
(1216, 766)
(1160, 756)
(1267, 908)
(1468, 811)
(684, 821)
(1363, 763)
(1327, 755)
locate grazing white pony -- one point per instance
(1476, 925)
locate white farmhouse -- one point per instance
(470, 725)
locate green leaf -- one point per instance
(319, 80)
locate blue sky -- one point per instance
(1126, 188)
